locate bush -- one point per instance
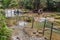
(58, 9)
(5, 32)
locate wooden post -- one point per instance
(32, 22)
(44, 27)
(51, 32)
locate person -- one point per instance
(18, 12)
(18, 38)
(15, 12)
(40, 11)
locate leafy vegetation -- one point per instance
(14, 3)
(51, 5)
(5, 32)
(27, 4)
(5, 3)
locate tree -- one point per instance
(36, 4)
(28, 4)
(50, 5)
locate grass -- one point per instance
(38, 25)
(55, 36)
(11, 21)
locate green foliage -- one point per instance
(30, 4)
(37, 4)
(2, 19)
(49, 3)
(6, 3)
(27, 4)
(14, 3)
(5, 32)
(58, 9)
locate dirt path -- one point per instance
(19, 34)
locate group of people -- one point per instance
(17, 12)
(12, 12)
